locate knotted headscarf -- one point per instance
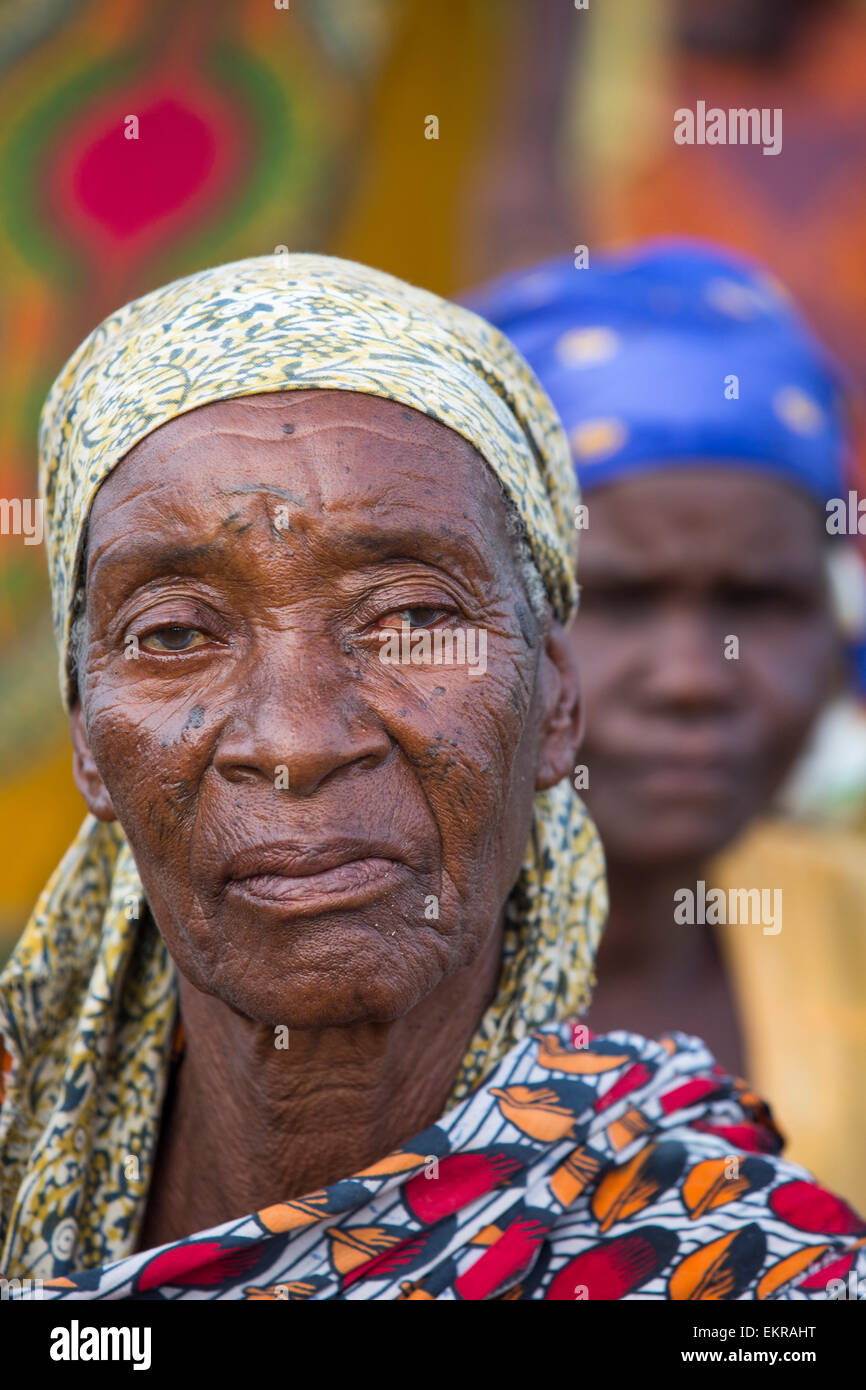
(88, 1002)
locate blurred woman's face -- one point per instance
(322, 837)
(706, 649)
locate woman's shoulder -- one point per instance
(677, 1187)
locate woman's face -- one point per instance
(322, 836)
(689, 732)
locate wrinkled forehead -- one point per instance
(704, 516)
(333, 466)
(287, 417)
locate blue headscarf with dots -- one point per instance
(679, 352)
(676, 351)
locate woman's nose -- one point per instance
(299, 718)
(689, 670)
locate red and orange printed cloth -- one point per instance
(582, 1169)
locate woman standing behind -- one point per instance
(706, 424)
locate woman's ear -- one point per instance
(84, 770)
(562, 710)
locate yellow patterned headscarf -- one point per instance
(88, 1001)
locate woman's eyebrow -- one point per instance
(149, 558)
(159, 560)
(459, 556)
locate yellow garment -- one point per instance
(802, 993)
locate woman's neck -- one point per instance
(641, 935)
(656, 974)
(253, 1121)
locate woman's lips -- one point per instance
(687, 781)
(348, 885)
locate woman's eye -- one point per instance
(173, 639)
(415, 617)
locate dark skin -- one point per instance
(254, 549)
(685, 747)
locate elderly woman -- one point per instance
(707, 424)
(366, 889)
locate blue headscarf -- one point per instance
(676, 351)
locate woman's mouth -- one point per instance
(353, 884)
(689, 781)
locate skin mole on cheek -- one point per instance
(287, 429)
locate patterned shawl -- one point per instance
(581, 1169)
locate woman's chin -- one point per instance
(310, 997)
